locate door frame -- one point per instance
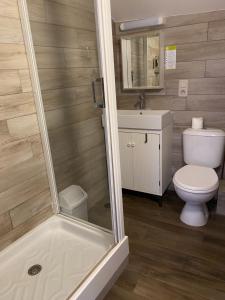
(106, 61)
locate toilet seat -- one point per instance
(196, 179)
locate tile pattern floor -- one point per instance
(169, 260)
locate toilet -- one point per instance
(197, 182)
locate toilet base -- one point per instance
(194, 215)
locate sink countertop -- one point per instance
(142, 112)
(144, 119)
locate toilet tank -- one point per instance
(203, 147)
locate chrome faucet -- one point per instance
(141, 102)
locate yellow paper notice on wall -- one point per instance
(170, 57)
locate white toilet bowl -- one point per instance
(195, 185)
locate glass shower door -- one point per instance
(66, 44)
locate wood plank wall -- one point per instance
(65, 45)
(200, 40)
(24, 189)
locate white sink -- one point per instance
(144, 119)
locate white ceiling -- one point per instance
(138, 9)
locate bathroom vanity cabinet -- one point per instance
(146, 159)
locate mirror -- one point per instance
(142, 61)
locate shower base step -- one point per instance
(52, 260)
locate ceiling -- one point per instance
(123, 10)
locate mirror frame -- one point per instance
(161, 60)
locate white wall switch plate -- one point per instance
(183, 88)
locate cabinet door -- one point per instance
(146, 162)
(126, 159)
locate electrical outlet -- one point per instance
(183, 88)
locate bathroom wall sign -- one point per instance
(170, 57)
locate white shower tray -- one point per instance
(67, 251)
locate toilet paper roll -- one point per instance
(197, 123)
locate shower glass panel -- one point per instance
(65, 44)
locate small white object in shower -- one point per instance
(73, 202)
(197, 123)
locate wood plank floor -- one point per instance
(169, 260)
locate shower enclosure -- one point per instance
(69, 46)
(69, 65)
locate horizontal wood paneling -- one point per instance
(207, 86)
(166, 102)
(9, 8)
(37, 10)
(10, 82)
(70, 16)
(20, 230)
(186, 70)
(30, 208)
(21, 172)
(71, 96)
(5, 224)
(87, 5)
(217, 30)
(50, 57)
(52, 79)
(200, 41)
(215, 68)
(81, 58)
(25, 80)
(16, 105)
(49, 35)
(23, 191)
(70, 115)
(22, 165)
(10, 31)
(186, 34)
(12, 57)
(216, 120)
(202, 86)
(182, 20)
(201, 51)
(14, 153)
(209, 102)
(66, 52)
(24, 126)
(36, 145)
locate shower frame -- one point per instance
(96, 285)
(106, 64)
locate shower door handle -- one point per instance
(98, 92)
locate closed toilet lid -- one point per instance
(196, 178)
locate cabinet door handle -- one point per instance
(146, 138)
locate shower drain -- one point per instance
(34, 270)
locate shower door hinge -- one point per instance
(98, 92)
